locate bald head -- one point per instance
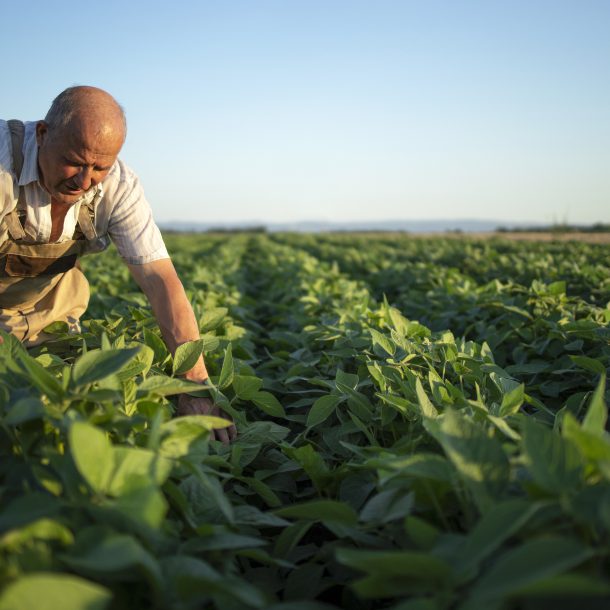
(78, 142)
(89, 109)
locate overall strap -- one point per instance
(86, 218)
(17, 131)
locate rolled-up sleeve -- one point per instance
(130, 222)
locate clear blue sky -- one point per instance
(338, 109)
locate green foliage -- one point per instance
(422, 425)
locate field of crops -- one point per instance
(422, 426)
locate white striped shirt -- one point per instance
(123, 213)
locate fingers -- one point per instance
(221, 435)
(232, 432)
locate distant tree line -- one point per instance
(598, 227)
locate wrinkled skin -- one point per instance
(76, 157)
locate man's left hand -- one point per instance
(192, 405)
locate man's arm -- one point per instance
(172, 309)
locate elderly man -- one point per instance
(64, 192)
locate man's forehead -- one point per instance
(91, 140)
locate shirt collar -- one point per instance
(29, 172)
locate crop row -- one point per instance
(379, 464)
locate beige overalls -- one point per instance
(41, 283)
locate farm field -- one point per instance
(422, 426)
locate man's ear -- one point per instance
(42, 131)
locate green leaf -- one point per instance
(92, 453)
(99, 364)
(529, 563)
(186, 356)
(592, 446)
(42, 379)
(156, 344)
(406, 564)
(512, 401)
(221, 541)
(42, 529)
(212, 318)
(589, 364)
(131, 466)
(495, 527)
(387, 506)
(143, 504)
(227, 371)
(195, 582)
(478, 457)
(346, 381)
(28, 508)
(382, 341)
(553, 461)
(246, 386)
(427, 408)
(359, 405)
(576, 586)
(26, 409)
(423, 534)
(303, 582)
(186, 434)
(269, 497)
(290, 538)
(54, 591)
(312, 463)
(321, 409)
(268, 403)
(161, 385)
(597, 413)
(326, 511)
(116, 554)
(211, 487)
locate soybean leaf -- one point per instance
(116, 554)
(408, 564)
(478, 457)
(246, 386)
(321, 409)
(167, 386)
(186, 356)
(597, 413)
(54, 591)
(92, 453)
(512, 401)
(426, 406)
(529, 563)
(28, 508)
(41, 379)
(96, 365)
(227, 371)
(321, 510)
(553, 461)
(268, 403)
(494, 528)
(589, 364)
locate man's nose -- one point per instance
(84, 178)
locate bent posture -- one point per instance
(63, 193)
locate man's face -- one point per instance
(74, 159)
